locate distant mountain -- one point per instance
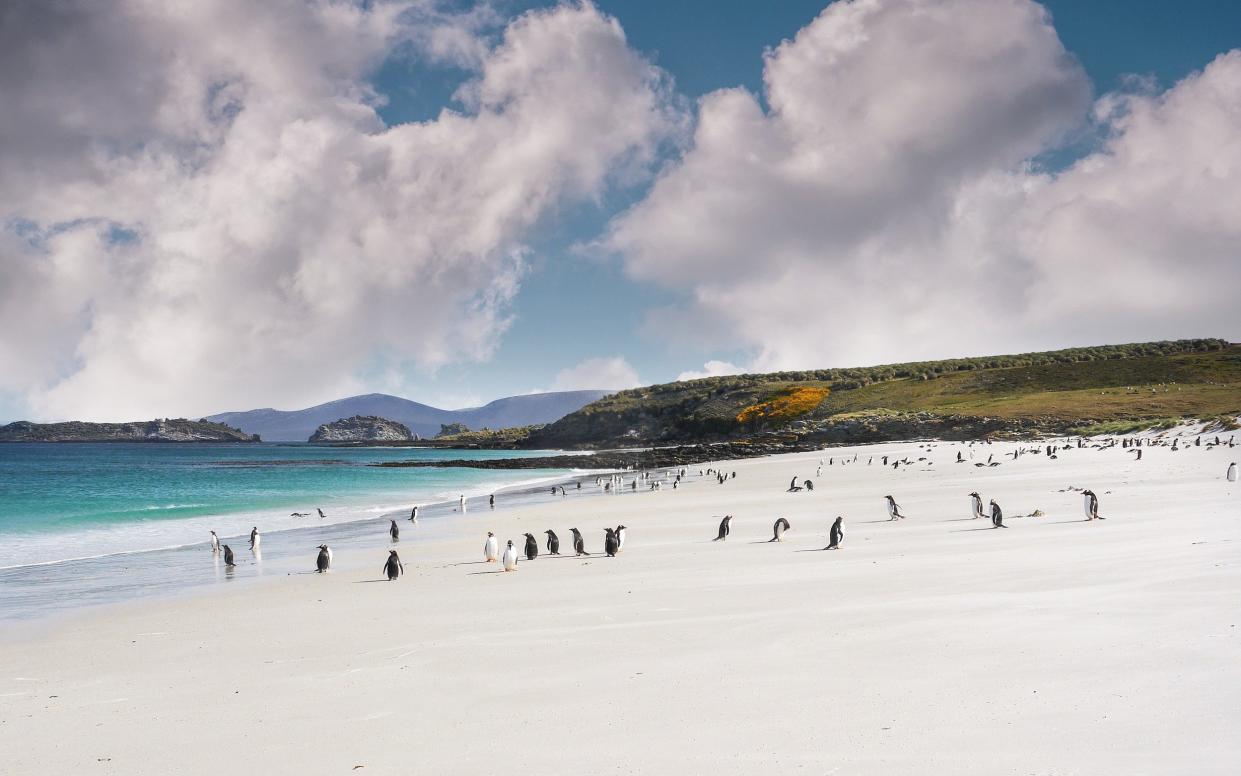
(424, 420)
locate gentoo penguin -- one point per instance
(976, 505)
(320, 511)
(553, 542)
(228, 556)
(620, 538)
(491, 550)
(215, 543)
(1232, 472)
(324, 561)
(394, 532)
(725, 528)
(809, 485)
(579, 546)
(960, 458)
(491, 501)
(894, 509)
(413, 515)
(532, 547)
(393, 567)
(255, 538)
(793, 483)
(1091, 504)
(997, 515)
(609, 542)
(461, 502)
(510, 557)
(837, 534)
(777, 530)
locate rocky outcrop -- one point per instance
(165, 430)
(363, 428)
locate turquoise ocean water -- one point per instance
(96, 522)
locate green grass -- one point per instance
(1082, 386)
(1125, 426)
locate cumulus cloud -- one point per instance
(612, 373)
(200, 207)
(884, 206)
(712, 369)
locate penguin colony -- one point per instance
(614, 538)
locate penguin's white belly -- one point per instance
(257, 538)
(490, 550)
(510, 560)
(1232, 473)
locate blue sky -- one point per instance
(538, 200)
(713, 45)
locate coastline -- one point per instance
(1056, 645)
(63, 588)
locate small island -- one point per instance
(160, 430)
(363, 428)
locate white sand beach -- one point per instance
(935, 644)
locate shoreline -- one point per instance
(18, 582)
(1076, 647)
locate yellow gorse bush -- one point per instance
(789, 404)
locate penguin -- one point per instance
(976, 505)
(413, 515)
(837, 534)
(228, 556)
(894, 509)
(809, 485)
(553, 542)
(609, 542)
(579, 546)
(324, 561)
(491, 501)
(725, 528)
(393, 567)
(491, 550)
(395, 532)
(255, 538)
(461, 500)
(532, 547)
(997, 515)
(510, 557)
(781, 525)
(1091, 504)
(215, 543)
(960, 458)
(620, 538)
(320, 511)
(1232, 472)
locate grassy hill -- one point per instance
(1056, 391)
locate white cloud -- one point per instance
(712, 369)
(610, 373)
(200, 208)
(884, 207)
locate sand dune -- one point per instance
(929, 645)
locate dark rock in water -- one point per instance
(363, 428)
(164, 430)
(656, 458)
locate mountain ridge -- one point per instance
(422, 419)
